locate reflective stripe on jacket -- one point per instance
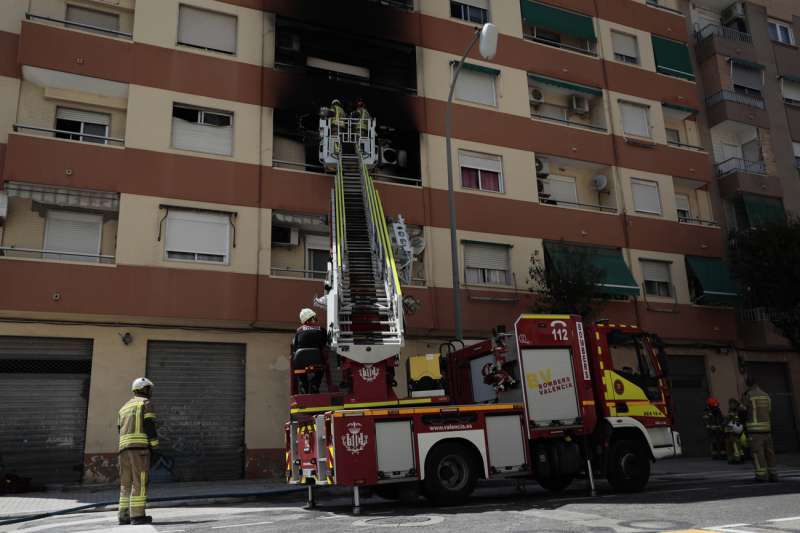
(759, 408)
(136, 423)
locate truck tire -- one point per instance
(451, 472)
(628, 466)
(555, 484)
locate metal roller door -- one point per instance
(689, 385)
(44, 392)
(199, 401)
(774, 379)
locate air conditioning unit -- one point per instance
(732, 12)
(389, 156)
(542, 167)
(580, 104)
(283, 236)
(535, 95)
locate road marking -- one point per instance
(70, 523)
(789, 519)
(242, 525)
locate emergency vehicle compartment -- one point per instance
(551, 396)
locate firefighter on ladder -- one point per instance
(137, 443)
(758, 406)
(309, 353)
(362, 115)
(337, 114)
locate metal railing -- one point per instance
(731, 96)
(758, 314)
(298, 273)
(546, 200)
(71, 24)
(548, 42)
(71, 135)
(725, 33)
(400, 180)
(698, 221)
(560, 114)
(689, 146)
(737, 164)
(57, 255)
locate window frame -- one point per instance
(465, 12)
(688, 209)
(624, 58)
(480, 155)
(67, 213)
(670, 291)
(650, 184)
(483, 271)
(201, 111)
(779, 24)
(226, 258)
(641, 107)
(314, 243)
(494, 104)
(677, 139)
(235, 17)
(71, 136)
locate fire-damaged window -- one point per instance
(632, 361)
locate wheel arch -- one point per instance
(630, 428)
(473, 442)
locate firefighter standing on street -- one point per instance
(363, 117)
(714, 421)
(758, 406)
(137, 441)
(734, 433)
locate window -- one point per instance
(796, 147)
(682, 204)
(625, 47)
(481, 171)
(780, 32)
(476, 11)
(92, 17)
(657, 280)
(93, 126)
(202, 130)
(560, 189)
(486, 264)
(673, 136)
(791, 91)
(645, 196)
(76, 235)
(317, 255)
(476, 84)
(208, 30)
(746, 80)
(631, 359)
(198, 236)
(635, 120)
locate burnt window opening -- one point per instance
(341, 56)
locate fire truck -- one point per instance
(553, 400)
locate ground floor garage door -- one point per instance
(689, 392)
(44, 393)
(199, 401)
(774, 379)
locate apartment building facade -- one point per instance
(165, 214)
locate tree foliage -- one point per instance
(568, 286)
(766, 261)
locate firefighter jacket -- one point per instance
(338, 114)
(713, 419)
(136, 422)
(309, 337)
(363, 118)
(759, 409)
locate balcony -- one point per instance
(756, 328)
(558, 28)
(693, 203)
(575, 184)
(722, 32)
(109, 30)
(730, 105)
(69, 135)
(737, 164)
(59, 224)
(566, 103)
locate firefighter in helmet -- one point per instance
(734, 433)
(138, 442)
(362, 115)
(757, 406)
(309, 353)
(714, 422)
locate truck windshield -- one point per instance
(632, 359)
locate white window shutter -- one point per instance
(488, 256)
(78, 115)
(480, 161)
(478, 87)
(200, 233)
(92, 17)
(482, 4)
(655, 271)
(747, 77)
(682, 202)
(79, 233)
(207, 29)
(624, 44)
(791, 90)
(645, 196)
(635, 120)
(563, 188)
(202, 137)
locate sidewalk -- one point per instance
(702, 465)
(19, 505)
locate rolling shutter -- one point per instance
(565, 85)
(92, 17)
(635, 120)
(476, 86)
(558, 20)
(655, 271)
(204, 138)
(78, 233)
(624, 44)
(199, 402)
(488, 256)
(207, 29)
(200, 233)
(646, 197)
(44, 391)
(562, 188)
(746, 76)
(791, 90)
(480, 161)
(672, 58)
(78, 115)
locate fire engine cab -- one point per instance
(554, 400)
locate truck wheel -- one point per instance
(628, 466)
(555, 484)
(451, 472)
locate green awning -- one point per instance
(619, 280)
(713, 280)
(746, 64)
(566, 85)
(762, 209)
(681, 108)
(672, 58)
(789, 77)
(557, 20)
(478, 68)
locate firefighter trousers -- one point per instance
(732, 448)
(134, 466)
(763, 456)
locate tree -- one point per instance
(569, 283)
(766, 261)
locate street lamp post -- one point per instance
(487, 35)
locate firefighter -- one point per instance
(310, 335)
(758, 407)
(734, 433)
(138, 442)
(363, 117)
(713, 419)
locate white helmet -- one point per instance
(306, 314)
(140, 383)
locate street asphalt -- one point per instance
(722, 500)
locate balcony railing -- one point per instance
(737, 164)
(731, 96)
(546, 200)
(698, 221)
(377, 176)
(79, 25)
(758, 314)
(688, 146)
(548, 42)
(725, 33)
(55, 255)
(71, 135)
(561, 115)
(290, 272)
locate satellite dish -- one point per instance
(600, 182)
